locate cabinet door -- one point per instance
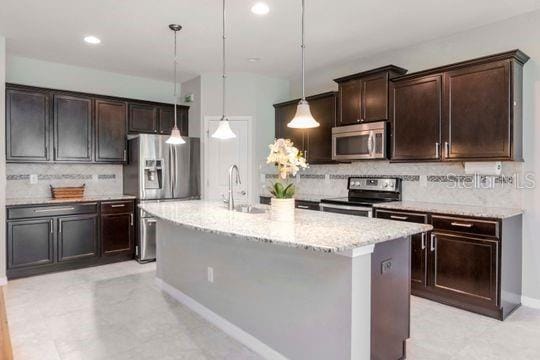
(419, 261)
(117, 234)
(478, 121)
(143, 118)
(166, 120)
(77, 237)
(30, 243)
(464, 268)
(72, 128)
(27, 125)
(110, 131)
(319, 149)
(375, 97)
(284, 114)
(416, 118)
(350, 102)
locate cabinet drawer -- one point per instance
(465, 225)
(56, 210)
(116, 207)
(307, 205)
(402, 216)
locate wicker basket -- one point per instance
(74, 192)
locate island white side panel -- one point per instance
(303, 304)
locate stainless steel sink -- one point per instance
(248, 209)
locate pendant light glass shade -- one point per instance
(224, 130)
(303, 118)
(175, 138)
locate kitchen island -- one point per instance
(327, 286)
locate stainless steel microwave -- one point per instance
(359, 142)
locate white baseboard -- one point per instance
(229, 328)
(3, 280)
(530, 302)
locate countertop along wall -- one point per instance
(518, 32)
(100, 179)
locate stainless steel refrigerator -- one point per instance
(157, 171)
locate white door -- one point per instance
(220, 155)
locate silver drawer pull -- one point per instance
(462, 225)
(118, 205)
(55, 209)
(423, 241)
(302, 206)
(432, 243)
(151, 221)
(398, 217)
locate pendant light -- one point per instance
(303, 118)
(223, 131)
(176, 137)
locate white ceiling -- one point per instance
(136, 39)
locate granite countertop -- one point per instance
(48, 200)
(452, 209)
(312, 230)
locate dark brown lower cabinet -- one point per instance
(49, 238)
(471, 263)
(117, 233)
(30, 243)
(77, 237)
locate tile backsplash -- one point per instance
(99, 179)
(431, 182)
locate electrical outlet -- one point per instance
(386, 266)
(33, 179)
(210, 274)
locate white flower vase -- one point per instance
(282, 210)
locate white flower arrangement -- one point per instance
(288, 161)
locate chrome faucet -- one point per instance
(232, 169)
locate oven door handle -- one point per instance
(323, 206)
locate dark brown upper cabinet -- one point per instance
(72, 128)
(316, 143)
(27, 125)
(166, 119)
(416, 120)
(111, 131)
(364, 97)
(143, 118)
(479, 103)
(478, 117)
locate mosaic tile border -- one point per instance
(60, 177)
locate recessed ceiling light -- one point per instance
(260, 8)
(254, 59)
(92, 39)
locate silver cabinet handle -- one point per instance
(118, 205)
(398, 217)
(465, 225)
(302, 206)
(125, 155)
(423, 241)
(151, 221)
(437, 146)
(55, 209)
(52, 226)
(446, 149)
(432, 242)
(131, 219)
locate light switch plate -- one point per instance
(33, 179)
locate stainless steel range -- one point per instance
(363, 193)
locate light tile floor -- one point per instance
(116, 312)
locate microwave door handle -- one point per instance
(370, 143)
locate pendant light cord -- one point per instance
(303, 46)
(175, 81)
(224, 75)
